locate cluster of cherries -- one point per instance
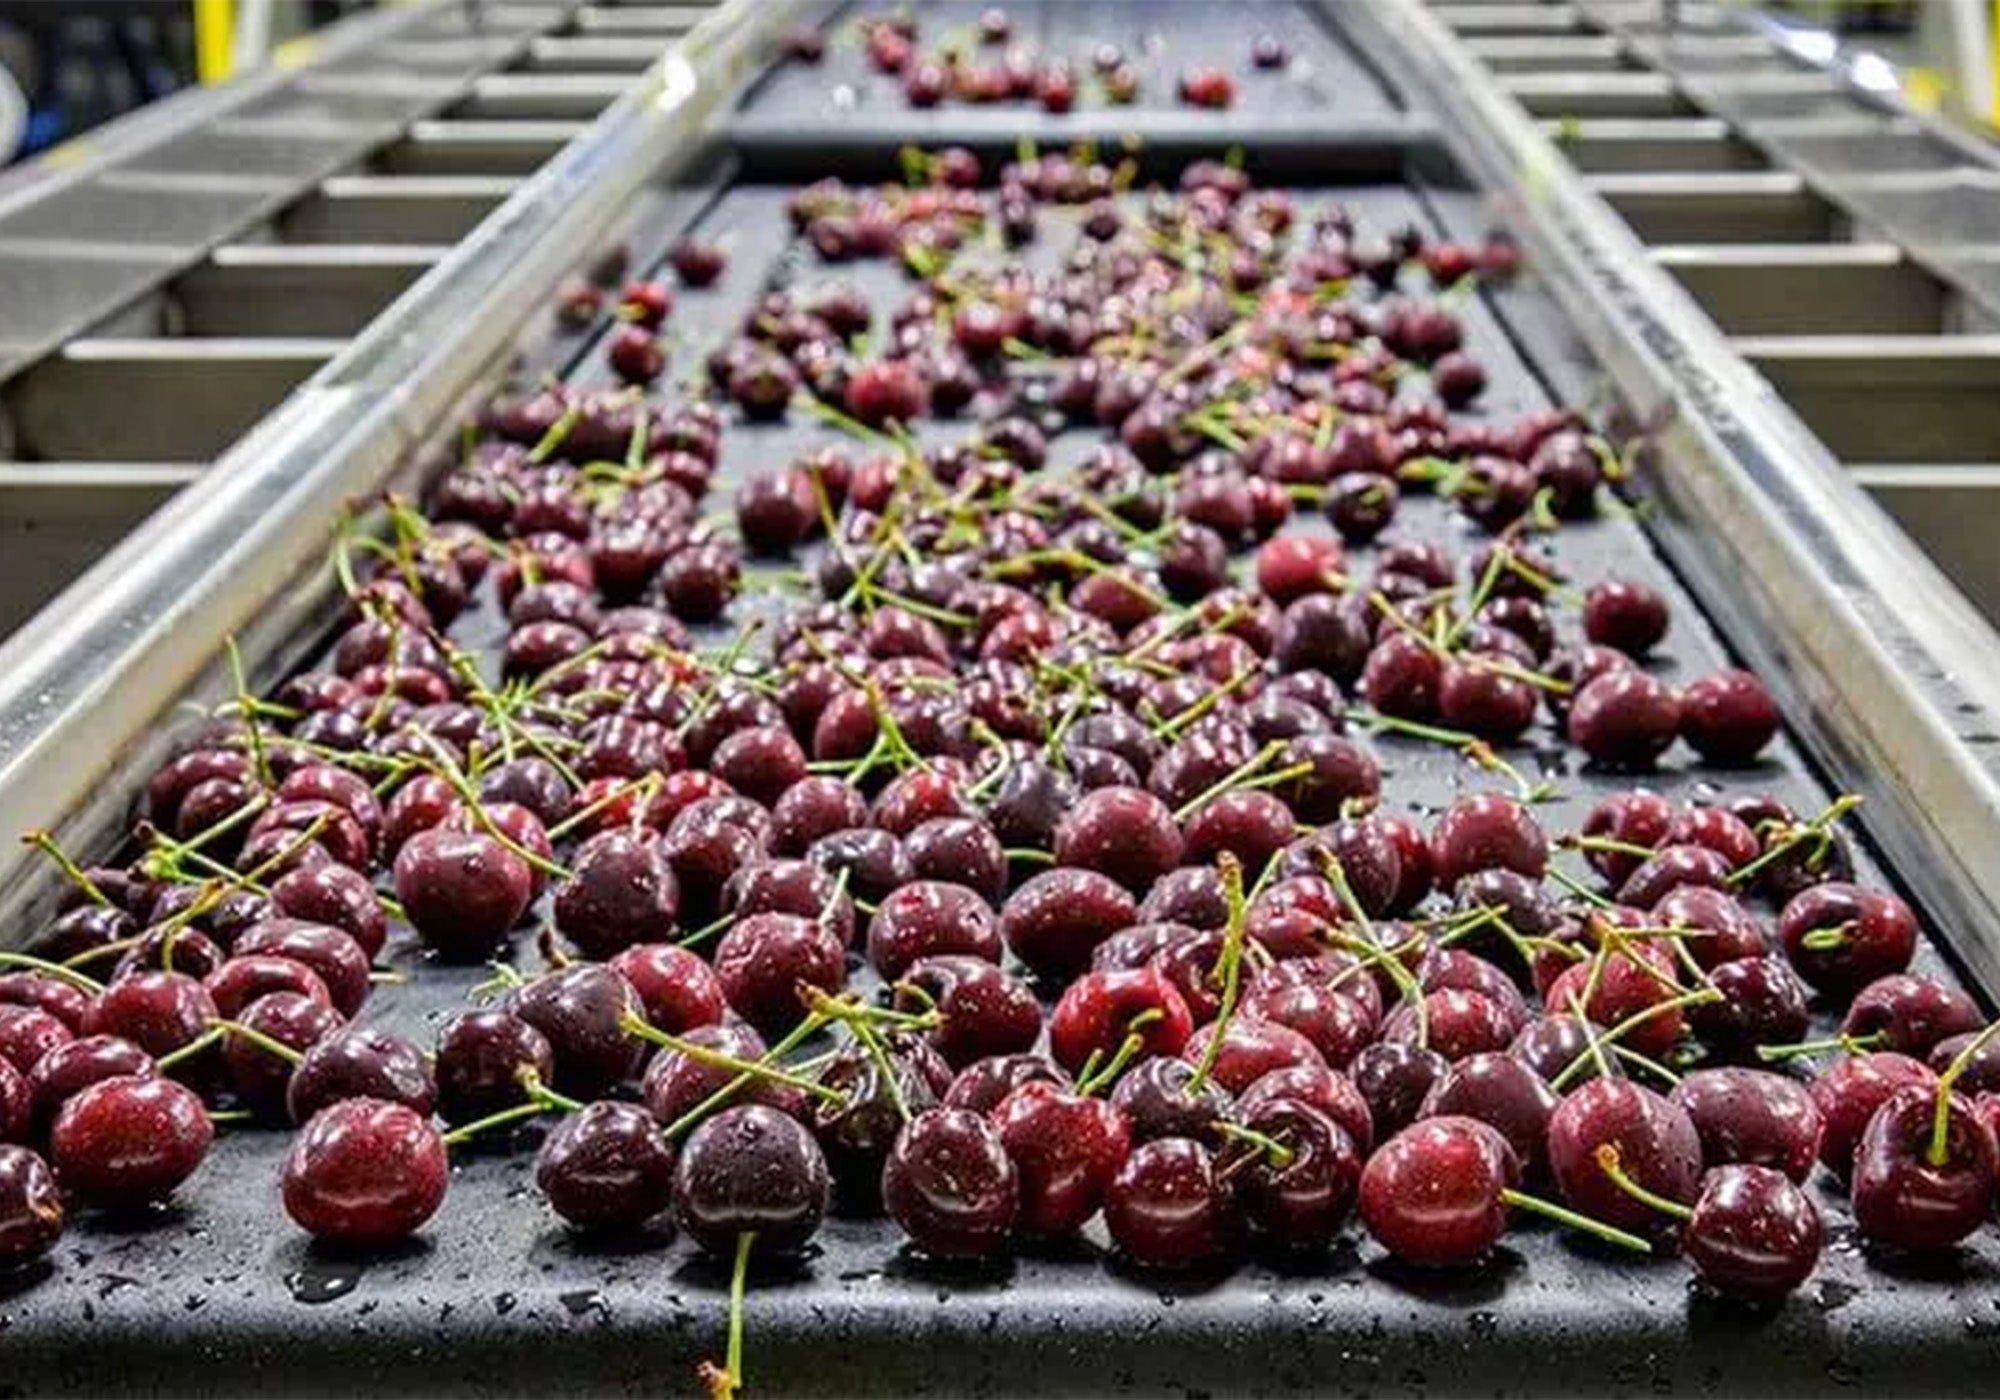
(954, 68)
(1022, 860)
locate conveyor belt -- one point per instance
(167, 281)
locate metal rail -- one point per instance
(1890, 674)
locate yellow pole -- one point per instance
(215, 38)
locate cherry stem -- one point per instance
(541, 1099)
(1230, 780)
(1825, 940)
(800, 1033)
(1608, 1162)
(722, 1059)
(724, 1383)
(1609, 845)
(74, 873)
(1280, 1155)
(269, 1044)
(1938, 1153)
(53, 969)
(1563, 1215)
(1230, 964)
(194, 1047)
(1578, 888)
(1633, 1022)
(1850, 1044)
(1818, 829)
(645, 786)
(1089, 1083)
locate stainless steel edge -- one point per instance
(1888, 674)
(86, 686)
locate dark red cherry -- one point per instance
(260, 1075)
(1840, 937)
(158, 1011)
(1551, 1045)
(1504, 1093)
(1848, 1092)
(1100, 1009)
(1762, 1002)
(1250, 1049)
(1910, 1196)
(1167, 1208)
(67, 1070)
(982, 1085)
(858, 1130)
(606, 1167)
(1624, 718)
(763, 961)
(241, 981)
(1395, 1077)
(962, 851)
(951, 1186)
(621, 891)
(1633, 818)
(1630, 616)
(129, 1141)
(1054, 921)
(676, 1083)
(463, 891)
(1433, 1195)
(1482, 831)
(1728, 718)
(360, 1062)
(481, 1057)
(27, 1032)
(335, 958)
(1066, 1148)
(1910, 1014)
(982, 1010)
(930, 918)
(65, 1001)
(751, 1170)
(364, 1174)
(1657, 1147)
(583, 1011)
(1754, 1234)
(677, 991)
(1752, 1116)
(1296, 1200)
(1125, 833)
(31, 1208)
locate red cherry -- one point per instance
(364, 1174)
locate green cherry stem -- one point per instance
(1937, 1153)
(1563, 1215)
(1229, 964)
(1608, 1163)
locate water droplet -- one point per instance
(322, 1285)
(504, 1303)
(1484, 1325)
(1832, 1293)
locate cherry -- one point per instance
(621, 891)
(1655, 1141)
(1753, 1233)
(1433, 1195)
(1456, 1023)
(697, 261)
(1840, 937)
(751, 1170)
(929, 918)
(364, 1174)
(1752, 1116)
(1630, 616)
(1248, 1050)
(764, 959)
(982, 1010)
(677, 991)
(258, 1071)
(1268, 51)
(1395, 1077)
(160, 1012)
(1166, 1207)
(1637, 817)
(65, 1001)
(1624, 718)
(1721, 929)
(463, 891)
(70, 1068)
(812, 808)
(1484, 831)
(1506, 1095)
(983, 1084)
(606, 1166)
(1337, 1026)
(129, 1141)
(243, 980)
(680, 1081)
(1299, 1186)
(1910, 1014)
(481, 1058)
(858, 1124)
(31, 1209)
(1123, 832)
(1055, 920)
(1728, 718)
(1924, 1170)
(27, 1033)
(360, 1062)
(1848, 1092)
(584, 1012)
(1207, 87)
(875, 862)
(1100, 1009)
(951, 1186)
(1761, 1002)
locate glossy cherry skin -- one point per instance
(1329, 1091)
(243, 980)
(1867, 934)
(335, 958)
(157, 1011)
(1483, 831)
(27, 1033)
(1167, 1208)
(128, 1141)
(1637, 817)
(1503, 1093)
(31, 1208)
(1338, 1027)
(361, 1062)
(1432, 1195)
(621, 892)
(675, 1084)
(1763, 1003)
(1752, 1116)
(764, 959)
(606, 1166)
(1910, 1014)
(1123, 832)
(1624, 718)
(1065, 1148)
(463, 891)
(1632, 617)
(1395, 1077)
(751, 1169)
(1657, 1147)
(1297, 1208)
(1754, 1234)
(1159, 1098)
(1848, 1092)
(983, 1085)
(951, 1186)
(260, 1077)
(67, 1003)
(364, 1174)
(1099, 1009)
(1250, 1049)
(582, 1010)
(481, 1057)
(1728, 718)
(1054, 921)
(930, 918)
(71, 1068)
(983, 1011)
(1904, 1199)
